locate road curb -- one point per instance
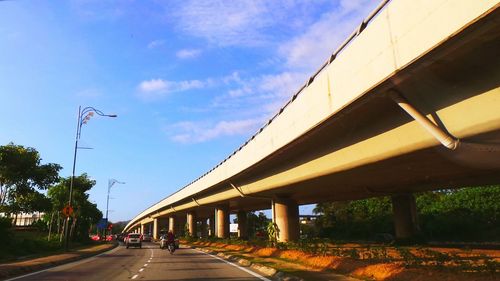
(263, 269)
(6, 273)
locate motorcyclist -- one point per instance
(171, 238)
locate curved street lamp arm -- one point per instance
(85, 115)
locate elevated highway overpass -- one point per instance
(409, 102)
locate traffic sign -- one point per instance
(102, 223)
(67, 211)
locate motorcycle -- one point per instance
(171, 248)
(163, 243)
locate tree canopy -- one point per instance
(467, 214)
(21, 175)
(85, 213)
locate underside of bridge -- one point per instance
(373, 147)
(456, 85)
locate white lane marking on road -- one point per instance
(145, 264)
(237, 266)
(67, 265)
(141, 270)
(135, 276)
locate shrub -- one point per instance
(5, 225)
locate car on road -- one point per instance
(133, 240)
(146, 238)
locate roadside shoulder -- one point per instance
(13, 269)
(262, 269)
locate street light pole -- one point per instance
(111, 182)
(83, 117)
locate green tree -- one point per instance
(85, 213)
(355, 219)
(119, 226)
(467, 214)
(257, 223)
(21, 174)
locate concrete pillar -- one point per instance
(171, 224)
(211, 225)
(204, 228)
(155, 229)
(222, 221)
(242, 225)
(286, 217)
(191, 221)
(405, 216)
(142, 228)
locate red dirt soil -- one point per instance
(372, 269)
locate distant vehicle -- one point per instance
(95, 237)
(146, 238)
(133, 240)
(163, 242)
(121, 237)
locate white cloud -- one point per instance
(191, 132)
(222, 22)
(310, 49)
(158, 88)
(155, 44)
(284, 84)
(153, 85)
(243, 22)
(304, 39)
(188, 53)
(262, 95)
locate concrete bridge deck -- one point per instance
(347, 134)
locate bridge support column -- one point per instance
(211, 227)
(222, 221)
(155, 229)
(286, 217)
(242, 225)
(142, 229)
(191, 222)
(171, 224)
(405, 216)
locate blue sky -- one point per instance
(189, 80)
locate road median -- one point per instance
(365, 262)
(277, 270)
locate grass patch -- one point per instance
(32, 244)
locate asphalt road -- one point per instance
(148, 263)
